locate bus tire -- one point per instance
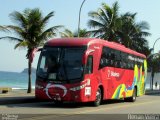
(134, 96)
(98, 99)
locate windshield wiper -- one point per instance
(65, 72)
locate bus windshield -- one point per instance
(61, 63)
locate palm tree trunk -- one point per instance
(152, 74)
(29, 76)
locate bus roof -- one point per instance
(88, 41)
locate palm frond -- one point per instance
(35, 16)
(67, 33)
(98, 15)
(19, 19)
(17, 30)
(50, 32)
(96, 33)
(143, 25)
(46, 18)
(22, 44)
(107, 10)
(115, 8)
(95, 24)
(4, 29)
(11, 38)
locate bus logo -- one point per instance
(113, 74)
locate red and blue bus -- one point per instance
(89, 70)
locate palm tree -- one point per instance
(105, 21)
(127, 29)
(30, 28)
(69, 34)
(132, 34)
(140, 42)
(111, 26)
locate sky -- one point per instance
(66, 13)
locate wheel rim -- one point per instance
(134, 95)
(98, 96)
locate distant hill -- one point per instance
(26, 70)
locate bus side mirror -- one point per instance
(85, 56)
(40, 49)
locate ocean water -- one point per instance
(16, 80)
(20, 80)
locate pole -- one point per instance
(80, 17)
(155, 43)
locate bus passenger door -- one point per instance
(89, 65)
(89, 76)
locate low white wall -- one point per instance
(156, 79)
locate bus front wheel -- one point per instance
(98, 99)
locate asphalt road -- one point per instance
(147, 106)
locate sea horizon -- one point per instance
(19, 80)
(16, 80)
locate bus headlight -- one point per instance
(39, 87)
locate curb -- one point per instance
(17, 100)
(152, 92)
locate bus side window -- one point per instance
(102, 62)
(129, 62)
(117, 59)
(89, 66)
(105, 58)
(123, 60)
(112, 58)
